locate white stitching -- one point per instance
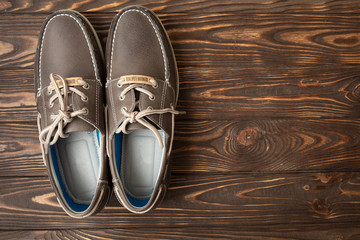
(45, 109)
(86, 37)
(157, 35)
(162, 103)
(112, 104)
(96, 105)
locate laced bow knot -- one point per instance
(55, 130)
(133, 116)
(138, 116)
(65, 115)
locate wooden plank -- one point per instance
(267, 145)
(20, 153)
(223, 38)
(333, 233)
(17, 98)
(335, 95)
(221, 146)
(247, 202)
(261, 65)
(313, 37)
(290, 6)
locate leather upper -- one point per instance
(68, 46)
(138, 45)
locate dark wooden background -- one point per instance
(269, 147)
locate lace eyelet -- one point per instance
(152, 98)
(119, 84)
(150, 108)
(155, 84)
(121, 98)
(51, 105)
(124, 109)
(86, 86)
(86, 111)
(85, 99)
(49, 92)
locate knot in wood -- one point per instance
(351, 40)
(320, 207)
(331, 177)
(248, 136)
(356, 92)
(309, 82)
(338, 237)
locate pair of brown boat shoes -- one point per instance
(88, 110)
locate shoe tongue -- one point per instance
(78, 125)
(135, 126)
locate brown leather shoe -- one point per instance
(69, 98)
(141, 93)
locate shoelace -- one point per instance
(62, 87)
(138, 116)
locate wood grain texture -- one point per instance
(269, 147)
(183, 233)
(221, 146)
(290, 6)
(271, 66)
(247, 202)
